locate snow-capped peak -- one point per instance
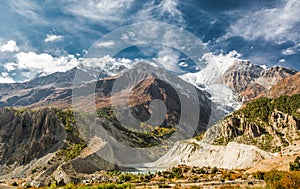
(216, 67)
(105, 66)
(207, 79)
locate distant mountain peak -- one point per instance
(249, 80)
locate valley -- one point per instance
(49, 140)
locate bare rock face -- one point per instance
(243, 138)
(287, 86)
(273, 75)
(285, 124)
(281, 131)
(240, 75)
(26, 135)
(250, 81)
(252, 91)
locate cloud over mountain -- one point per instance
(265, 32)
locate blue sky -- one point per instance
(47, 36)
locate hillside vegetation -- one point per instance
(270, 124)
(262, 108)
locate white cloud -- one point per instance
(167, 8)
(105, 44)
(51, 38)
(5, 78)
(109, 65)
(10, 66)
(217, 65)
(105, 10)
(164, 39)
(282, 60)
(170, 6)
(10, 46)
(183, 64)
(278, 24)
(45, 63)
(291, 50)
(168, 59)
(5, 74)
(30, 64)
(288, 51)
(27, 9)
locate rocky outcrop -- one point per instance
(26, 135)
(252, 91)
(250, 81)
(278, 132)
(242, 139)
(287, 86)
(240, 75)
(44, 143)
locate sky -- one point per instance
(48, 36)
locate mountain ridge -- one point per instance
(252, 138)
(248, 80)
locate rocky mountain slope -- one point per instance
(241, 81)
(31, 137)
(233, 83)
(69, 141)
(287, 86)
(40, 91)
(248, 80)
(141, 85)
(26, 135)
(270, 124)
(259, 131)
(45, 144)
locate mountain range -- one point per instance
(245, 80)
(52, 119)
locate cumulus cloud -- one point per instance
(45, 63)
(288, 51)
(183, 64)
(10, 46)
(10, 66)
(278, 24)
(51, 38)
(5, 78)
(30, 64)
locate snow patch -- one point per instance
(216, 67)
(207, 79)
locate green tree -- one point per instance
(295, 166)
